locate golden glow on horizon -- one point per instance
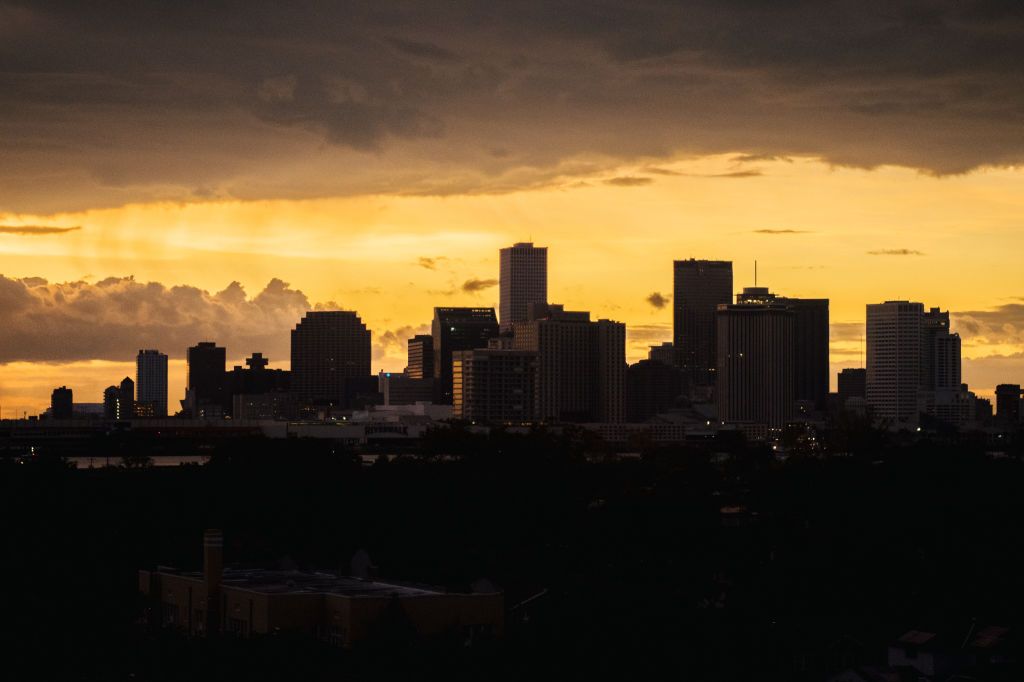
(611, 245)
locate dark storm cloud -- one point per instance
(120, 102)
(1001, 325)
(114, 317)
(657, 300)
(472, 286)
(896, 252)
(37, 229)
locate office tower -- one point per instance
(755, 377)
(151, 384)
(940, 353)
(580, 364)
(894, 360)
(494, 385)
(666, 353)
(207, 364)
(700, 286)
(62, 404)
(523, 280)
(652, 387)
(458, 329)
(1008, 403)
(810, 341)
(401, 389)
(421, 357)
(330, 357)
(852, 384)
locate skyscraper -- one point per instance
(755, 376)
(207, 363)
(523, 280)
(151, 383)
(913, 364)
(700, 286)
(458, 329)
(1008, 398)
(494, 385)
(420, 364)
(581, 365)
(119, 401)
(330, 358)
(62, 404)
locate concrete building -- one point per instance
(260, 387)
(699, 287)
(755, 377)
(402, 389)
(494, 385)
(119, 401)
(652, 387)
(151, 384)
(852, 383)
(206, 392)
(523, 281)
(62, 404)
(458, 329)
(342, 610)
(330, 355)
(420, 364)
(1008, 397)
(664, 352)
(913, 365)
(581, 364)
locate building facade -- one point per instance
(207, 368)
(494, 385)
(420, 363)
(151, 384)
(456, 329)
(62, 403)
(523, 281)
(699, 287)
(330, 353)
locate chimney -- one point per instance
(213, 571)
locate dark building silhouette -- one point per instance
(523, 281)
(494, 385)
(62, 404)
(755, 375)
(401, 389)
(1008, 403)
(700, 286)
(421, 357)
(330, 356)
(151, 384)
(581, 364)
(255, 392)
(206, 395)
(652, 387)
(119, 401)
(458, 329)
(852, 383)
(665, 352)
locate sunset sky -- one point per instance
(211, 171)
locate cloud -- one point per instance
(769, 231)
(657, 300)
(430, 263)
(472, 286)
(333, 100)
(393, 343)
(628, 181)
(648, 333)
(37, 229)
(846, 331)
(1001, 325)
(896, 252)
(113, 318)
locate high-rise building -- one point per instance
(421, 357)
(665, 352)
(652, 387)
(207, 365)
(119, 401)
(1008, 398)
(330, 358)
(700, 286)
(151, 383)
(494, 385)
(401, 389)
(62, 404)
(853, 383)
(257, 390)
(523, 281)
(913, 364)
(581, 365)
(755, 377)
(458, 329)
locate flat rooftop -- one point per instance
(267, 581)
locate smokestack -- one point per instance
(213, 571)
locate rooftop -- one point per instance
(267, 581)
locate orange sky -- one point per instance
(852, 235)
